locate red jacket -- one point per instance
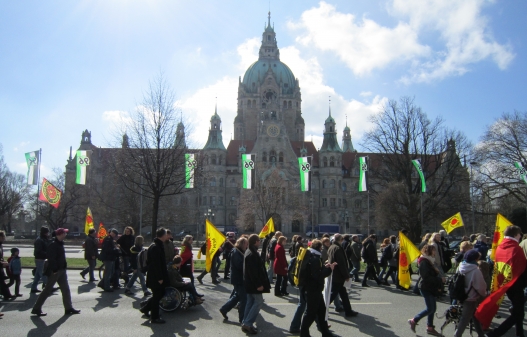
(280, 262)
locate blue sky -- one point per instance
(66, 66)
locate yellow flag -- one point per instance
(89, 222)
(501, 224)
(408, 252)
(453, 222)
(215, 239)
(267, 229)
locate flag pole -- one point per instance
(38, 191)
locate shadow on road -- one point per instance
(86, 287)
(43, 330)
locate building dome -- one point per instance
(256, 72)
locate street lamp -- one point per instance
(472, 164)
(208, 214)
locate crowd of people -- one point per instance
(253, 264)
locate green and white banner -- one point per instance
(82, 163)
(248, 170)
(304, 165)
(419, 169)
(363, 175)
(190, 167)
(33, 162)
(521, 171)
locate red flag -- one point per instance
(509, 265)
(50, 194)
(101, 234)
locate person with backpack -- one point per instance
(137, 266)
(472, 289)
(312, 285)
(271, 256)
(430, 286)
(369, 255)
(393, 262)
(91, 253)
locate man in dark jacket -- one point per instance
(239, 295)
(109, 253)
(312, 288)
(340, 274)
(256, 283)
(4, 289)
(40, 247)
(354, 257)
(156, 276)
(482, 247)
(228, 246)
(56, 272)
(370, 258)
(91, 253)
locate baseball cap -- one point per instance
(471, 255)
(60, 231)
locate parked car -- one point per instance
(454, 245)
(181, 235)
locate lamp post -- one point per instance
(472, 164)
(141, 208)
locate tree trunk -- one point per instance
(155, 211)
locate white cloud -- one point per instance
(365, 45)
(21, 146)
(115, 116)
(248, 52)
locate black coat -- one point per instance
(56, 257)
(40, 247)
(430, 280)
(370, 251)
(315, 274)
(126, 242)
(90, 248)
(337, 254)
(254, 273)
(157, 265)
(109, 250)
(236, 261)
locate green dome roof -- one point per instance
(259, 69)
(347, 128)
(215, 117)
(330, 119)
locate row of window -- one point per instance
(331, 162)
(213, 182)
(285, 104)
(206, 201)
(343, 203)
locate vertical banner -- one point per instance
(304, 165)
(32, 161)
(521, 171)
(363, 177)
(82, 162)
(248, 170)
(419, 169)
(190, 167)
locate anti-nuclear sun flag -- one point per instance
(190, 167)
(88, 224)
(407, 254)
(101, 233)
(215, 239)
(50, 193)
(82, 163)
(248, 170)
(453, 222)
(304, 164)
(267, 229)
(501, 224)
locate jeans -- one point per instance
(39, 264)
(15, 279)
(355, 270)
(239, 295)
(370, 271)
(270, 271)
(431, 305)
(134, 277)
(469, 308)
(392, 271)
(252, 308)
(281, 284)
(109, 269)
(383, 270)
(61, 278)
(90, 269)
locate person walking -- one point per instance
(340, 274)
(313, 285)
(256, 282)
(270, 255)
(354, 257)
(156, 277)
(214, 269)
(4, 289)
(393, 262)
(280, 268)
(125, 242)
(386, 254)
(40, 247)
(430, 286)
(134, 265)
(109, 255)
(369, 254)
(239, 294)
(91, 253)
(170, 248)
(15, 268)
(435, 240)
(56, 273)
(228, 246)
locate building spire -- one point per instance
(269, 17)
(330, 106)
(346, 120)
(216, 107)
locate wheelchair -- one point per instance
(175, 299)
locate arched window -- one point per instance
(221, 182)
(264, 156)
(289, 105)
(324, 183)
(285, 104)
(358, 203)
(330, 129)
(332, 183)
(272, 156)
(204, 201)
(344, 187)
(248, 103)
(332, 162)
(233, 182)
(212, 181)
(254, 103)
(297, 104)
(220, 159)
(213, 159)
(313, 185)
(263, 105)
(344, 203)
(280, 157)
(325, 161)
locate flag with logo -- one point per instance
(89, 222)
(521, 171)
(33, 162)
(214, 240)
(304, 164)
(50, 194)
(248, 170)
(455, 221)
(408, 252)
(363, 177)
(419, 168)
(190, 168)
(501, 224)
(101, 233)
(267, 229)
(83, 161)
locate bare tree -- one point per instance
(403, 132)
(152, 162)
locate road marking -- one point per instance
(352, 302)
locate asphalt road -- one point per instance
(383, 312)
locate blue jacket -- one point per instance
(15, 265)
(482, 248)
(236, 267)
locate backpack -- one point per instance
(142, 262)
(300, 269)
(456, 288)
